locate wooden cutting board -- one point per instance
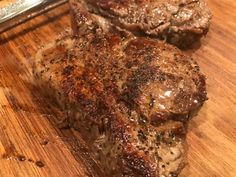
(31, 145)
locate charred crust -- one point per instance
(107, 75)
(119, 130)
(172, 22)
(139, 163)
(142, 120)
(142, 136)
(68, 70)
(201, 87)
(158, 118)
(140, 77)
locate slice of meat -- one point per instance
(175, 78)
(128, 96)
(180, 22)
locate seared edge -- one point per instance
(179, 22)
(92, 83)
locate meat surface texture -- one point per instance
(180, 22)
(129, 97)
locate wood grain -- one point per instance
(32, 146)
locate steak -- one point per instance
(129, 97)
(179, 22)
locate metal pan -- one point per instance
(23, 10)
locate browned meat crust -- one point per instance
(180, 22)
(128, 96)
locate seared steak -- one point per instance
(180, 22)
(128, 96)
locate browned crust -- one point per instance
(82, 74)
(179, 22)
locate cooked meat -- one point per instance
(128, 96)
(180, 22)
